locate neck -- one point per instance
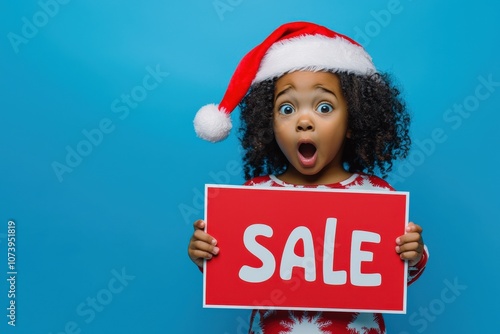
(293, 176)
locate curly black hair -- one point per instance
(377, 117)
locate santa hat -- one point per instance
(292, 47)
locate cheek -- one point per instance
(335, 139)
(278, 130)
(278, 136)
(282, 138)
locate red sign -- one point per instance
(305, 249)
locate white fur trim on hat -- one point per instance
(314, 53)
(212, 124)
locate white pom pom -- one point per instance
(212, 124)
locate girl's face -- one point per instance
(310, 126)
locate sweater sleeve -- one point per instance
(415, 271)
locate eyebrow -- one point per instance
(284, 91)
(323, 89)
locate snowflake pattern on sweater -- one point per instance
(310, 322)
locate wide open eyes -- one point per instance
(324, 108)
(286, 109)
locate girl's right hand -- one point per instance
(202, 246)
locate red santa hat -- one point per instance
(295, 46)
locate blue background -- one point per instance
(127, 205)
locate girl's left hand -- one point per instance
(410, 246)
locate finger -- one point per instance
(203, 246)
(200, 254)
(205, 237)
(199, 224)
(409, 237)
(199, 257)
(412, 257)
(412, 227)
(409, 247)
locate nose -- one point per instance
(305, 123)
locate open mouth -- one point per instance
(307, 154)
(307, 150)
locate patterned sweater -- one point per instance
(310, 322)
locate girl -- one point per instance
(315, 113)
